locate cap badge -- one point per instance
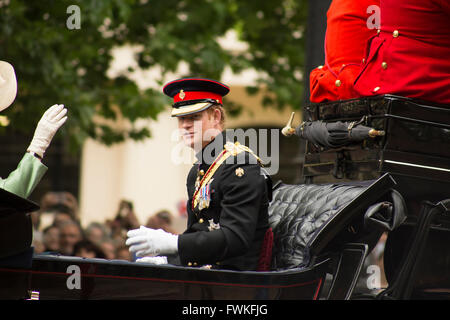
(182, 95)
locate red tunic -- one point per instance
(350, 23)
(411, 55)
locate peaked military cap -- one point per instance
(191, 95)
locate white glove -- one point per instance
(153, 260)
(149, 242)
(51, 121)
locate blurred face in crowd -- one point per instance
(69, 235)
(95, 235)
(108, 249)
(60, 218)
(123, 254)
(51, 239)
(160, 221)
(85, 253)
(198, 129)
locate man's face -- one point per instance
(198, 129)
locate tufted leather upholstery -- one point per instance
(298, 212)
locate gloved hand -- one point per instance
(51, 121)
(153, 260)
(146, 242)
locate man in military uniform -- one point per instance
(228, 191)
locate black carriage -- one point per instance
(415, 151)
(397, 184)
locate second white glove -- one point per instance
(51, 121)
(149, 242)
(153, 260)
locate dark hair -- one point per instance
(60, 207)
(89, 246)
(164, 215)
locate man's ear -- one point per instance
(217, 116)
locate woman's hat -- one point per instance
(8, 85)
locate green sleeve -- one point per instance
(25, 178)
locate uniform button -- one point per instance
(376, 89)
(363, 60)
(320, 67)
(395, 33)
(201, 172)
(189, 264)
(384, 65)
(195, 264)
(201, 220)
(338, 83)
(378, 31)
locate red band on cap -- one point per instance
(194, 95)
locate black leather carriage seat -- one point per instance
(307, 218)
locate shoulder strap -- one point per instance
(236, 148)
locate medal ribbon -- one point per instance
(208, 175)
(230, 149)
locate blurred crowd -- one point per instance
(57, 229)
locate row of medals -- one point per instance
(204, 199)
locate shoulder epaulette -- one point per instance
(236, 148)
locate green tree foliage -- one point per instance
(57, 63)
